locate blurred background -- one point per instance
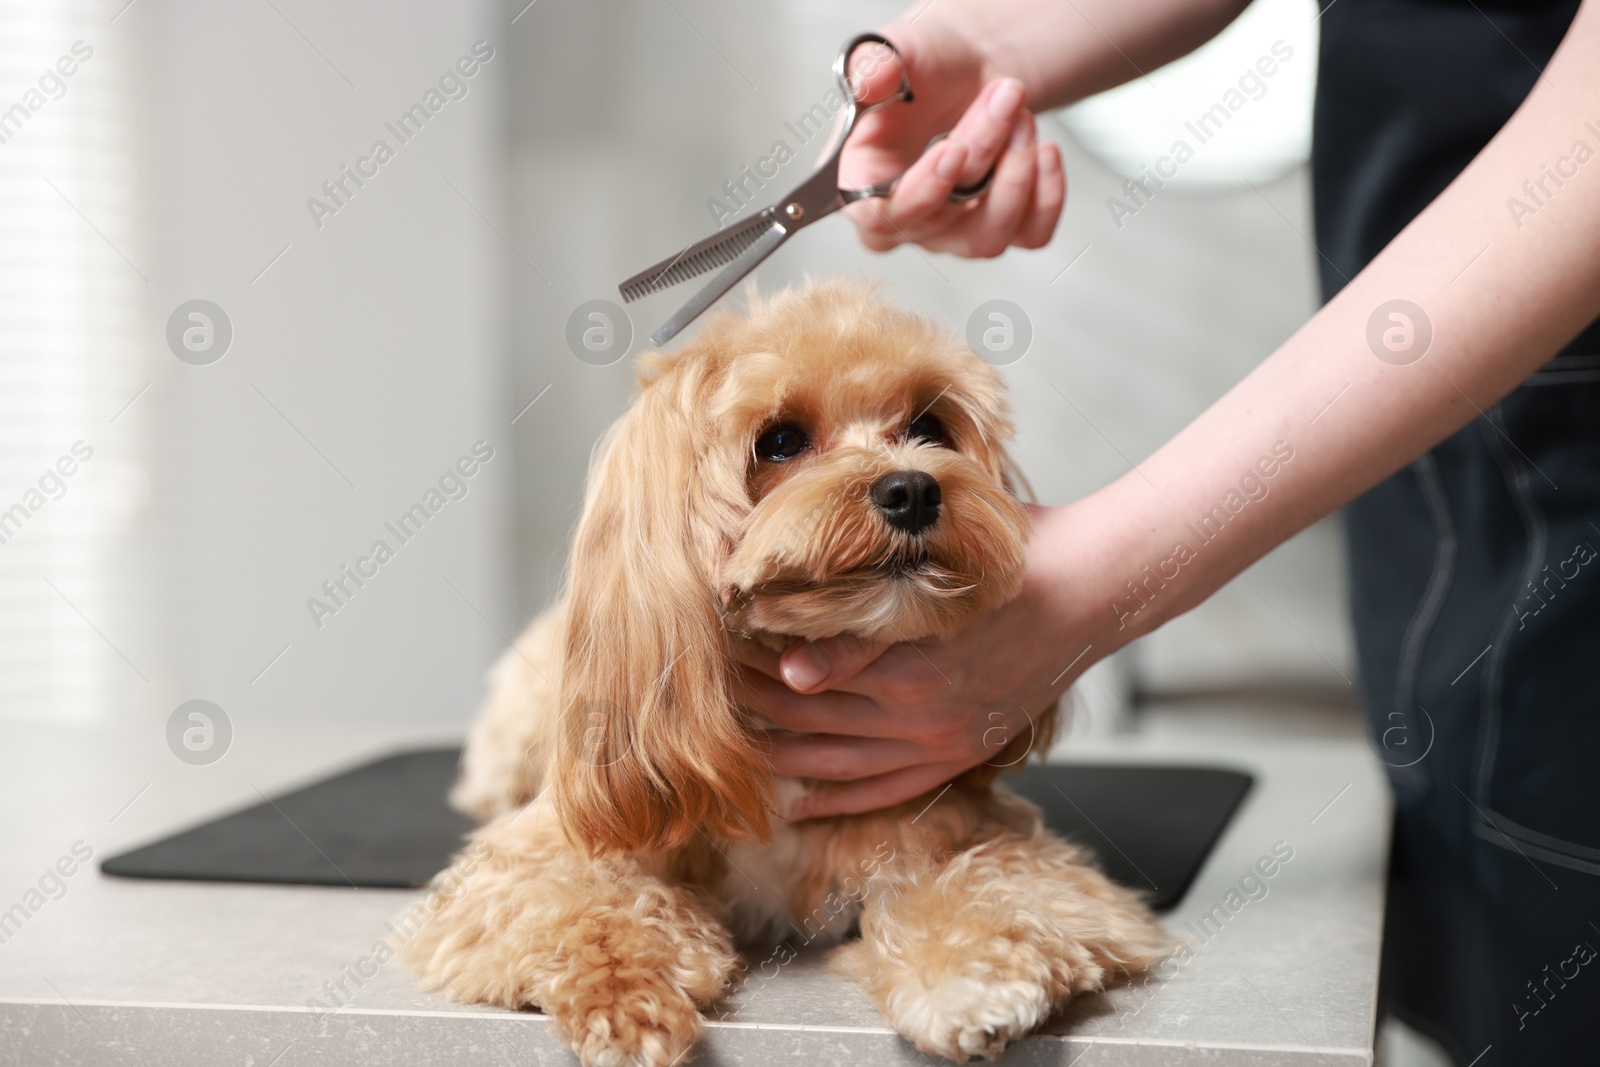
(357, 335)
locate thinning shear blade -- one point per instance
(763, 243)
(722, 247)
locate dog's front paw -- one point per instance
(643, 1024)
(959, 1017)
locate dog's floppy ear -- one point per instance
(651, 745)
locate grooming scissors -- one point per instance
(739, 248)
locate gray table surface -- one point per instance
(139, 974)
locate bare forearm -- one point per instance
(1064, 52)
(1501, 294)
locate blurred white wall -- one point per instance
(367, 356)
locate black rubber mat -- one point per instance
(1151, 827)
(386, 825)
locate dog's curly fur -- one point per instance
(635, 830)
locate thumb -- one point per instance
(875, 73)
(809, 667)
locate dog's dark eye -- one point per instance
(927, 428)
(781, 442)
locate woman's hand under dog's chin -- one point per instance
(890, 722)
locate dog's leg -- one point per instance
(621, 960)
(966, 955)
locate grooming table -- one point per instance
(127, 971)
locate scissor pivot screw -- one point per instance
(794, 211)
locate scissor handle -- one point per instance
(841, 71)
(820, 195)
(855, 109)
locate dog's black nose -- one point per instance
(908, 499)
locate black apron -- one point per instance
(1475, 572)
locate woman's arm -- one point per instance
(1063, 52)
(1340, 406)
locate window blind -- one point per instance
(71, 290)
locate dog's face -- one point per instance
(825, 464)
(871, 447)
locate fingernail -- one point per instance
(806, 668)
(952, 160)
(1006, 99)
(1021, 133)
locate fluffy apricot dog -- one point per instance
(823, 465)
